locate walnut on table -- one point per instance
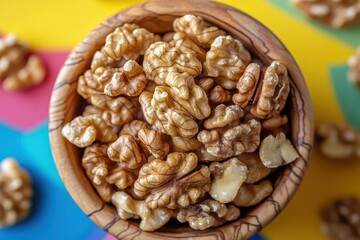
(354, 71)
(338, 140)
(334, 13)
(15, 193)
(341, 219)
(209, 213)
(226, 61)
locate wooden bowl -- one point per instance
(157, 16)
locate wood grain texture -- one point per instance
(157, 16)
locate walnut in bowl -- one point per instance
(175, 120)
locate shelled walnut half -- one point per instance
(15, 193)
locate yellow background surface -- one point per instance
(60, 25)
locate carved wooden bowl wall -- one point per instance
(157, 16)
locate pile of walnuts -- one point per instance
(186, 125)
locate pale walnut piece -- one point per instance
(96, 164)
(226, 61)
(151, 219)
(275, 125)
(133, 128)
(223, 115)
(354, 64)
(252, 194)
(256, 169)
(208, 213)
(272, 93)
(277, 151)
(88, 85)
(152, 141)
(197, 30)
(83, 131)
(129, 80)
(161, 58)
(227, 178)
(180, 39)
(129, 41)
(15, 193)
(181, 192)
(334, 13)
(225, 143)
(117, 111)
(13, 56)
(338, 140)
(126, 152)
(180, 144)
(218, 95)
(31, 74)
(340, 219)
(158, 172)
(166, 115)
(247, 85)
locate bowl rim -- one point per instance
(64, 102)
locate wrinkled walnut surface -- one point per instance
(15, 193)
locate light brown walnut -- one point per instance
(246, 86)
(193, 98)
(168, 37)
(257, 170)
(96, 164)
(180, 192)
(227, 178)
(206, 84)
(161, 58)
(277, 151)
(15, 193)
(122, 177)
(275, 125)
(180, 144)
(273, 91)
(218, 95)
(354, 65)
(208, 213)
(158, 172)
(225, 143)
(226, 61)
(128, 41)
(252, 194)
(338, 140)
(101, 62)
(334, 13)
(126, 152)
(204, 156)
(166, 115)
(132, 128)
(31, 74)
(151, 219)
(223, 115)
(197, 29)
(83, 131)
(153, 142)
(117, 111)
(13, 55)
(129, 80)
(88, 85)
(180, 39)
